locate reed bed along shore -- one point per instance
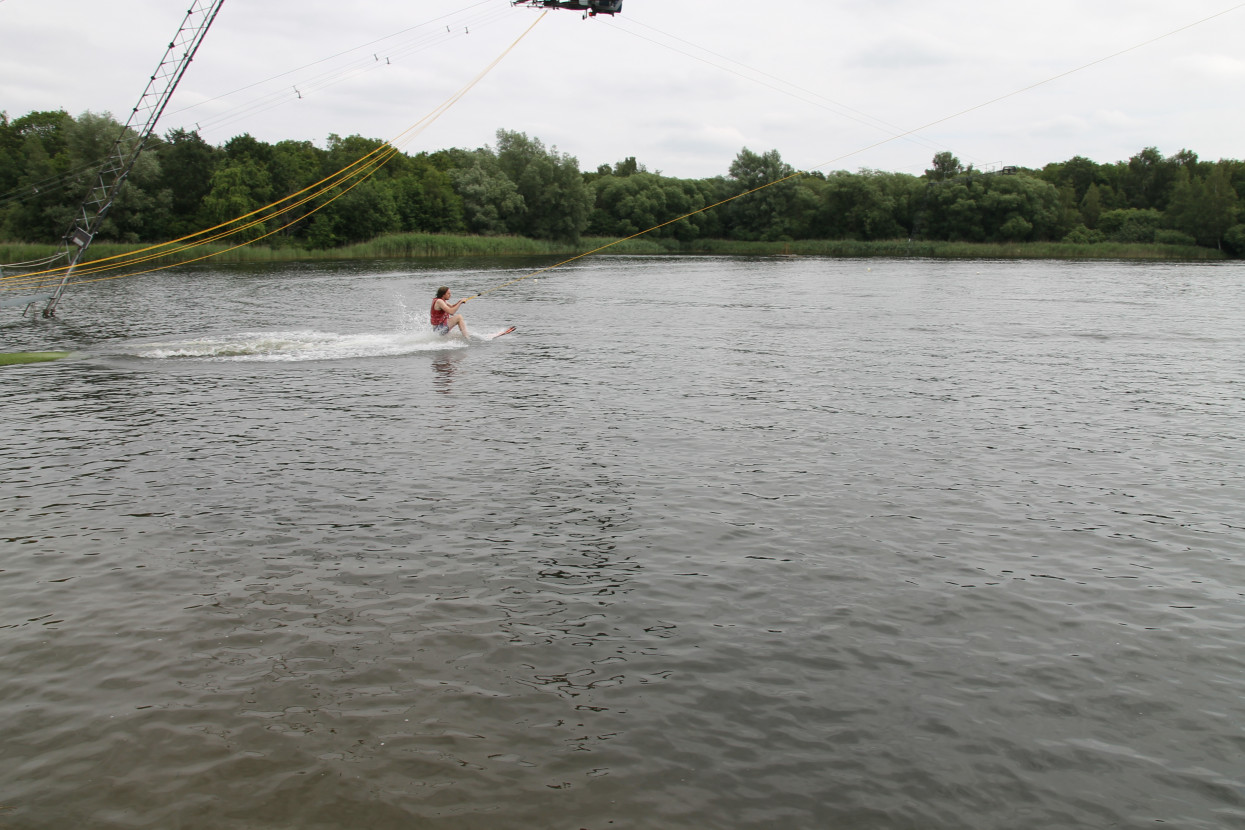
(852, 248)
(419, 245)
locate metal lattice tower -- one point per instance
(129, 145)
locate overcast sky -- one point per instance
(682, 85)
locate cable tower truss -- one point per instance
(125, 152)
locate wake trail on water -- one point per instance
(407, 333)
(294, 346)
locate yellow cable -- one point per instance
(226, 250)
(799, 174)
(366, 172)
(454, 99)
(795, 175)
(158, 247)
(384, 153)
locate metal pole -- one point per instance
(130, 143)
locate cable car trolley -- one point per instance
(590, 8)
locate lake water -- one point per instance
(706, 543)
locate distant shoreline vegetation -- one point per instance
(434, 246)
(518, 196)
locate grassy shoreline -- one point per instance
(421, 245)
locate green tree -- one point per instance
(295, 168)
(1204, 208)
(360, 211)
(1082, 235)
(775, 207)
(709, 224)
(1147, 180)
(1221, 205)
(628, 167)
(946, 166)
(1077, 172)
(48, 187)
(426, 199)
(1189, 161)
(1234, 240)
(640, 201)
(1091, 206)
(867, 205)
(358, 154)
(1015, 229)
(993, 207)
(187, 163)
(627, 205)
(947, 210)
(91, 137)
(47, 126)
(1130, 224)
(10, 144)
(239, 186)
(686, 200)
(10, 172)
(1237, 175)
(556, 199)
(491, 201)
(138, 211)
(39, 214)
(246, 146)
(1019, 208)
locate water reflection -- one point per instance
(900, 568)
(444, 367)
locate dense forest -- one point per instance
(181, 185)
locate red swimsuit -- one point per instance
(438, 316)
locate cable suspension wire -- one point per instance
(307, 86)
(126, 149)
(386, 151)
(785, 87)
(34, 262)
(295, 87)
(358, 171)
(800, 174)
(367, 45)
(51, 183)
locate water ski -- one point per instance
(14, 358)
(500, 333)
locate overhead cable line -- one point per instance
(50, 184)
(271, 100)
(367, 45)
(358, 171)
(786, 88)
(295, 85)
(126, 149)
(800, 174)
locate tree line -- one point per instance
(518, 186)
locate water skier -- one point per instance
(442, 309)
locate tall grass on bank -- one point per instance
(415, 245)
(899, 248)
(391, 246)
(427, 245)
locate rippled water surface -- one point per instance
(706, 543)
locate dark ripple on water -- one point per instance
(815, 543)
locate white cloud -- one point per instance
(679, 88)
(1116, 120)
(1215, 67)
(1060, 125)
(903, 54)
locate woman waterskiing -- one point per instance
(442, 309)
